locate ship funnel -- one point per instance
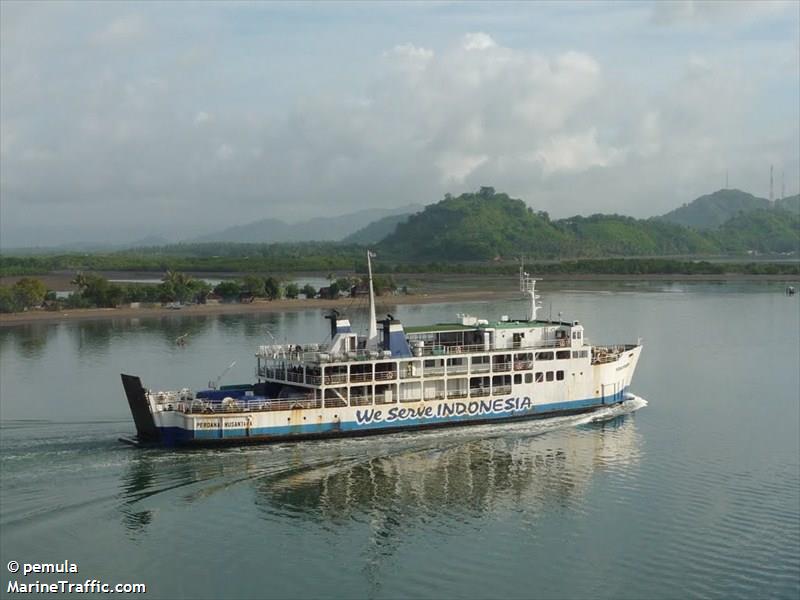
(394, 338)
(338, 323)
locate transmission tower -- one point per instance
(771, 187)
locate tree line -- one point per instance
(95, 291)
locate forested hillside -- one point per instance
(712, 210)
(486, 224)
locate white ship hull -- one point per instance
(461, 373)
(584, 388)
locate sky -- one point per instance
(120, 121)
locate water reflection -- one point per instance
(137, 483)
(464, 479)
(392, 482)
(29, 341)
(170, 329)
(94, 337)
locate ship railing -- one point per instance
(433, 371)
(608, 354)
(360, 377)
(198, 406)
(478, 392)
(323, 355)
(501, 366)
(523, 365)
(326, 379)
(296, 377)
(501, 389)
(456, 369)
(358, 400)
(481, 368)
(456, 395)
(442, 350)
(385, 375)
(272, 373)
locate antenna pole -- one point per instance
(783, 184)
(372, 335)
(771, 187)
(527, 285)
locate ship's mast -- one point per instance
(527, 285)
(372, 336)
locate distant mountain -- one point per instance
(88, 247)
(377, 230)
(712, 210)
(317, 229)
(149, 240)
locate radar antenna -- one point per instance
(527, 285)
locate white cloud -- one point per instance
(456, 167)
(412, 52)
(143, 131)
(477, 41)
(578, 152)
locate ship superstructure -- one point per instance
(466, 372)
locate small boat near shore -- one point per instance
(394, 378)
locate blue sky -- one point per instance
(121, 120)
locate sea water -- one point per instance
(690, 489)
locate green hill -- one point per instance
(484, 225)
(712, 210)
(617, 235)
(764, 230)
(790, 203)
(475, 226)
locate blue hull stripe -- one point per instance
(176, 436)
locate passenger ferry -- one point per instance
(395, 378)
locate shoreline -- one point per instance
(256, 307)
(284, 305)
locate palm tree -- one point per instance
(80, 281)
(176, 278)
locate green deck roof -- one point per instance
(444, 327)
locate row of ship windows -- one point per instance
(541, 376)
(485, 360)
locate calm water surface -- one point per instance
(696, 493)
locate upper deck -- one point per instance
(436, 340)
(442, 350)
